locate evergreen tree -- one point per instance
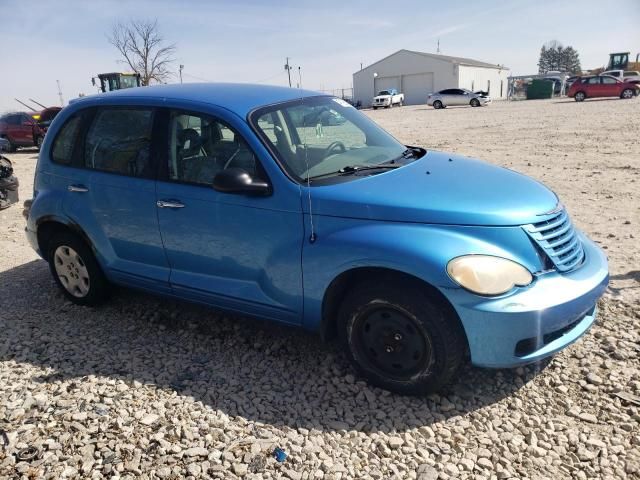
(556, 57)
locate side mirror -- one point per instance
(237, 180)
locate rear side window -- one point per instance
(62, 152)
(119, 141)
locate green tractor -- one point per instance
(116, 81)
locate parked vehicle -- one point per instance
(44, 117)
(601, 86)
(223, 194)
(388, 98)
(20, 130)
(8, 184)
(458, 96)
(625, 76)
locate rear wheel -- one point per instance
(580, 96)
(12, 147)
(437, 104)
(76, 270)
(475, 102)
(627, 94)
(39, 141)
(399, 339)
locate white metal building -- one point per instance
(416, 74)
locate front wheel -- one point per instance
(475, 102)
(39, 141)
(580, 96)
(627, 94)
(76, 270)
(399, 339)
(437, 104)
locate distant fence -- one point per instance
(346, 93)
(517, 86)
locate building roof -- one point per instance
(447, 58)
(239, 98)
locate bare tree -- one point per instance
(144, 49)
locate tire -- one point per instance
(38, 142)
(627, 94)
(580, 96)
(12, 147)
(399, 339)
(475, 102)
(437, 104)
(76, 270)
(401, 104)
(375, 108)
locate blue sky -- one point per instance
(248, 41)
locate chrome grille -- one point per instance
(557, 237)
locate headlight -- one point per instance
(487, 275)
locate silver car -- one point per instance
(458, 96)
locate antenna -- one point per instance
(37, 103)
(312, 236)
(60, 94)
(181, 68)
(22, 103)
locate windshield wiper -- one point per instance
(353, 169)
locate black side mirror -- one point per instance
(237, 180)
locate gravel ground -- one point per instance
(150, 388)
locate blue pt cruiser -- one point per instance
(293, 206)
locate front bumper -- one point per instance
(537, 321)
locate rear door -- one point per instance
(112, 195)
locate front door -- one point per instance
(112, 195)
(610, 86)
(233, 251)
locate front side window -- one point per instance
(594, 81)
(200, 146)
(119, 141)
(318, 136)
(609, 80)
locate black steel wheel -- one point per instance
(437, 104)
(399, 338)
(475, 102)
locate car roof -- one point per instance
(240, 98)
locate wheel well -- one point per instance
(46, 232)
(342, 284)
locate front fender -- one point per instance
(420, 250)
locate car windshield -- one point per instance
(384, 92)
(320, 136)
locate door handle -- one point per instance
(169, 204)
(77, 188)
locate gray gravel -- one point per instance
(145, 387)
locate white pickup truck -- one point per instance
(388, 98)
(624, 75)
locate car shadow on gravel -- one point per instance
(265, 373)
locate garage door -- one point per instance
(384, 83)
(416, 87)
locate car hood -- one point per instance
(439, 188)
(382, 96)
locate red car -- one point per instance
(21, 130)
(601, 86)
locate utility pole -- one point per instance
(287, 67)
(60, 93)
(438, 51)
(299, 78)
(181, 67)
